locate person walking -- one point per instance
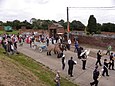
(105, 68)
(57, 78)
(99, 55)
(111, 63)
(63, 62)
(80, 50)
(52, 39)
(96, 74)
(109, 50)
(69, 44)
(84, 59)
(71, 63)
(76, 46)
(47, 41)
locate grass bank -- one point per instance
(13, 32)
(43, 74)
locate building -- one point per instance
(55, 29)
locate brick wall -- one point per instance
(97, 41)
(32, 30)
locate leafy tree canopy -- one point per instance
(92, 25)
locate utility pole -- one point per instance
(68, 19)
(68, 26)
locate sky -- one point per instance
(56, 10)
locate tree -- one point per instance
(45, 24)
(33, 21)
(63, 23)
(1, 23)
(92, 25)
(16, 24)
(108, 27)
(8, 23)
(99, 28)
(77, 25)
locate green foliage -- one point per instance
(1, 23)
(63, 23)
(98, 28)
(77, 25)
(92, 24)
(108, 27)
(40, 24)
(92, 27)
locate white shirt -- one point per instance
(69, 41)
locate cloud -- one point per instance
(2, 2)
(43, 1)
(10, 15)
(113, 2)
(54, 9)
(37, 1)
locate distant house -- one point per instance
(55, 29)
(1, 28)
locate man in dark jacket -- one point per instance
(99, 55)
(95, 77)
(63, 62)
(70, 64)
(84, 59)
(111, 64)
(80, 49)
(105, 67)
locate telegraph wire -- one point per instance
(99, 8)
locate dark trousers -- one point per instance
(15, 45)
(63, 66)
(70, 71)
(111, 65)
(105, 71)
(47, 43)
(95, 82)
(4, 46)
(98, 61)
(84, 64)
(52, 41)
(68, 46)
(108, 51)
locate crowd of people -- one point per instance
(108, 64)
(9, 43)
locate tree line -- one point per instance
(42, 24)
(92, 27)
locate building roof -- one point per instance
(57, 24)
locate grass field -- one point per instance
(13, 32)
(44, 75)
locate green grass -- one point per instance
(13, 32)
(39, 70)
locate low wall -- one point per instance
(97, 41)
(32, 30)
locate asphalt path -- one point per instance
(80, 77)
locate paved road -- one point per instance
(81, 77)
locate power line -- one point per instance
(99, 8)
(93, 7)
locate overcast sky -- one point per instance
(56, 10)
